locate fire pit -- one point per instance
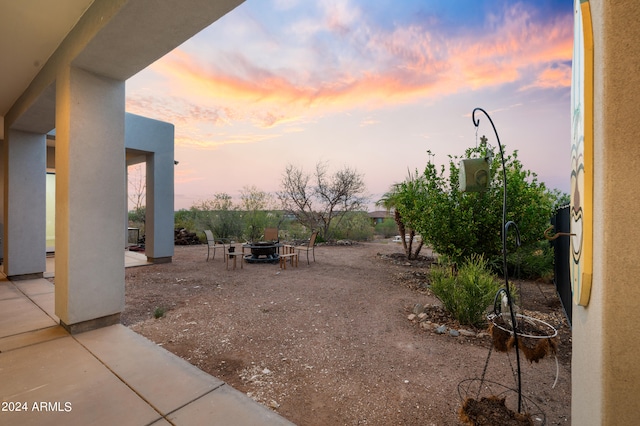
(263, 252)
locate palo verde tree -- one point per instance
(318, 200)
(458, 224)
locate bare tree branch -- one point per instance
(331, 198)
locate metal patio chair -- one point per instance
(213, 244)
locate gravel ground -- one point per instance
(330, 343)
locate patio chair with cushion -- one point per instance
(310, 247)
(271, 234)
(213, 244)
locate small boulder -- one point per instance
(441, 329)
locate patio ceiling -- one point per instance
(30, 31)
(112, 41)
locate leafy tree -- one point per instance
(354, 226)
(561, 199)
(318, 200)
(184, 218)
(218, 214)
(257, 206)
(404, 194)
(387, 228)
(458, 224)
(138, 215)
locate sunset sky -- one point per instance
(371, 85)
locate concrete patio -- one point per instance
(102, 377)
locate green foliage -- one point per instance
(560, 198)
(404, 199)
(137, 218)
(184, 219)
(467, 294)
(387, 228)
(255, 205)
(138, 214)
(353, 226)
(458, 224)
(159, 312)
(293, 230)
(219, 215)
(228, 221)
(531, 262)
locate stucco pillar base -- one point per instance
(23, 277)
(92, 324)
(166, 259)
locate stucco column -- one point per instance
(160, 221)
(90, 199)
(154, 139)
(24, 205)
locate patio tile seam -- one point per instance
(27, 333)
(194, 400)
(34, 302)
(39, 294)
(19, 296)
(156, 409)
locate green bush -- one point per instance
(291, 230)
(184, 219)
(459, 224)
(387, 228)
(467, 294)
(352, 226)
(531, 262)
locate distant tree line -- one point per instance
(332, 203)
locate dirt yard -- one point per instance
(331, 343)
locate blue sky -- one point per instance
(368, 85)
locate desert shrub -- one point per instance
(467, 293)
(387, 228)
(292, 230)
(531, 262)
(352, 226)
(137, 219)
(184, 219)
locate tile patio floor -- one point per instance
(109, 376)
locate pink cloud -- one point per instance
(407, 64)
